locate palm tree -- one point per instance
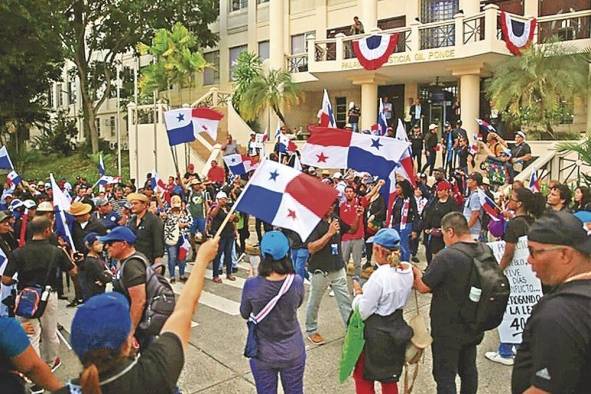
(176, 62)
(247, 69)
(583, 149)
(530, 89)
(274, 89)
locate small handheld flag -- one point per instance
(327, 115)
(5, 162)
(101, 165)
(13, 178)
(489, 206)
(534, 182)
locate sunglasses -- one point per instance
(536, 252)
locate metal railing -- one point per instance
(438, 35)
(474, 28)
(565, 27)
(213, 98)
(297, 63)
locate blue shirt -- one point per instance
(473, 204)
(13, 341)
(279, 338)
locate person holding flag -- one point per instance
(177, 225)
(473, 205)
(430, 148)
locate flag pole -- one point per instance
(174, 159)
(233, 208)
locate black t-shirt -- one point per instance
(132, 274)
(520, 150)
(92, 276)
(156, 370)
(31, 262)
(555, 353)
(448, 277)
(517, 227)
(463, 156)
(217, 221)
(459, 132)
(329, 258)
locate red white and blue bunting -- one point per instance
(373, 51)
(517, 34)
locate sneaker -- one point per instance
(72, 304)
(331, 293)
(172, 280)
(184, 279)
(316, 339)
(57, 362)
(415, 259)
(216, 279)
(37, 389)
(497, 358)
(231, 277)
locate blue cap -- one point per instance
(90, 238)
(388, 238)
(102, 322)
(120, 233)
(275, 244)
(584, 216)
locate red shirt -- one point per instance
(348, 214)
(216, 174)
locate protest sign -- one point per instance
(526, 291)
(259, 140)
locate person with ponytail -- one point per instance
(526, 207)
(102, 338)
(279, 341)
(380, 304)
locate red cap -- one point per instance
(443, 185)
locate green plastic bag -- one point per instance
(352, 346)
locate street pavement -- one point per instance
(214, 362)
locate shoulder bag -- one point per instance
(251, 349)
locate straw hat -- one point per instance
(79, 209)
(137, 197)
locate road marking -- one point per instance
(238, 283)
(214, 301)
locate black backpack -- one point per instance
(160, 300)
(487, 292)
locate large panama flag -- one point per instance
(285, 197)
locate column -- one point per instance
(588, 128)
(276, 36)
(223, 44)
(530, 8)
(253, 45)
(470, 7)
(369, 104)
(470, 102)
(369, 14)
(321, 19)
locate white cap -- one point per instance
(432, 126)
(29, 204)
(221, 195)
(337, 175)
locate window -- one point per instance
(234, 53)
(98, 126)
(236, 5)
(60, 97)
(299, 43)
(341, 113)
(50, 97)
(211, 75)
(438, 10)
(112, 126)
(262, 1)
(264, 50)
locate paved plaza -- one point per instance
(215, 364)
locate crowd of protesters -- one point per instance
(118, 232)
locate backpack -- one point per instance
(487, 292)
(160, 301)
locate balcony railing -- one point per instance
(474, 34)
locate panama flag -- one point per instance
(156, 183)
(489, 206)
(382, 122)
(239, 164)
(5, 162)
(5, 291)
(327, 115)
(485, 127)
(287, 198)
(406, 169)
(61, 204)
(184, 124)
(101, 165)
(184, 248)
(474, 146)
(108, 180)
(373, 51)
(13, 178)
(285, 144)
(517, 34)
(534, 182)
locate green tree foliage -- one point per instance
(30, 57)
(95, 32)
(583, 149)
(530, 89)
(176, 61)
(58, 136)
(248, 68)
(273, 89)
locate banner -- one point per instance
(526, 291)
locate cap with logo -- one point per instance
(120, 233)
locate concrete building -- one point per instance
(446, 51)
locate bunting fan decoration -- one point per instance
(517, 34)
(373, 51)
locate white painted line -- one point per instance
(214, 301)
(238, 283)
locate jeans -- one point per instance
(198, 225)
(299, 258)
(355, 127)
(265, 378)
(319, 281)
(404, 241)
(506, 350)
(173, 261)
(225, 248)
(44, 338)
(451, 359)
(353, 247)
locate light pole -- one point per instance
(117, 123)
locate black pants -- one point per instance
(451, 358)
(261, 226)
(417, 155)
(430, 163)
